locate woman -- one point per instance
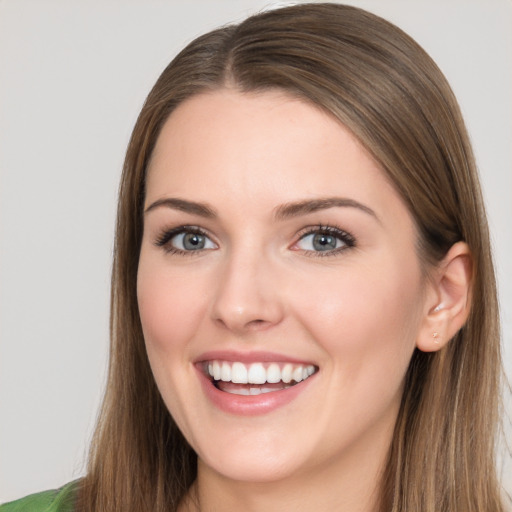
(304, 310)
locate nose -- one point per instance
(247, 296)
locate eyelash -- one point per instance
(167, 235)
(331, 230)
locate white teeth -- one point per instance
(225, 373)
(216, 370)
(240, 391)
(273, 373)
(297, 374)
(261, 391)
(256, 373)
(239, 373)
(287, 373)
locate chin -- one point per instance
(251, 467)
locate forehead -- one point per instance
(268, 147)
(227, 118)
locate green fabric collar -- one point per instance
(57, 500)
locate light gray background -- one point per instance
(73, 76)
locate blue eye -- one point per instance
(191, 242)
(185, 240)
(325, 239)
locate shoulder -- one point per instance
(57, 500)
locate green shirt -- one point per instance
(58, 500)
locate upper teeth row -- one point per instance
(256, 373)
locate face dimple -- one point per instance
(313, 268)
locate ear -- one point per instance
(448, 299)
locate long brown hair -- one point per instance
(379, 83)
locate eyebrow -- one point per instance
(201, 209)
(282, 212)
(289, 210)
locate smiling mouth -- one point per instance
(256, 378)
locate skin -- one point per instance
(357, 313)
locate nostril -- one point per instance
(257, 324)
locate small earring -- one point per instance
(439, 307)
(436, 337)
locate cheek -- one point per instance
(368, 316)
(169, 310)
(366, 325)
(169, 305)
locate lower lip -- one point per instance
(251, 405)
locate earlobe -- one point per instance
(448, 299)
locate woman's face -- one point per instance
(279, 287)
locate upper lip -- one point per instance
(249, 357)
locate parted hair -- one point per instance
(378, 82)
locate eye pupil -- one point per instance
(193, 241)
(323, 242)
